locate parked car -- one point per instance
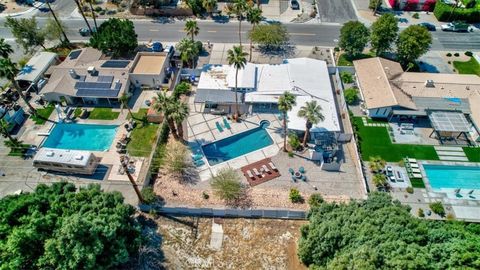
(429, 26)
(294, 4)
(85, 32)
(457, 27)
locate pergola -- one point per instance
(449, 124)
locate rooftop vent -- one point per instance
(73, 74)
(50, 154)
(429, 83)
(78, 157)
(91, 70)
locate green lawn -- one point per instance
(469, 67)
(417, 182)
(139, 115)
(142, 140)
(103, 114)
(43, 114)
(345, 61)
(18, 152)
(376, 120)
(375, 141)
(472, 153)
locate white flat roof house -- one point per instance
(260, 86)
(33, 71)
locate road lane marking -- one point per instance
(302, 34)
(211, 31)
(154, 30)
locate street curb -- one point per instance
(32, 9)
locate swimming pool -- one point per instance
(237, 145)
(81, 137)
(443, 176)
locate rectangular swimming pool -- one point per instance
(237, 145)
(81, 137)
(445, 176)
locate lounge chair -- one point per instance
(301, 170)
(417, 175)
(294, 179)
(392, 178)
(411, 160)
(398, 176)
(199, 162)
(219, 127)
(272, 166)
(470, 194)
(249, 173)
(265, 168)
(414, 165)
(197, 156)
(256, 172)
(415, 170)
(226, 124)
(291, 171)
(304, 178)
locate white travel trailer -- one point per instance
(67, 161)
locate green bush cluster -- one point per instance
(294, 141)
(295, 196)
(182, 88)
(469, 53)
(437, 208)
(445, 12)
(148, 195)
(346, 77)
(351, 95)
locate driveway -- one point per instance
(338, 11)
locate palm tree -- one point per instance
(4, 130)
(188, 51)
(9, 70)
(60, 26)
(285, 104)
(238, 8)
(179, 112)
(83, 15)
(311, 112)
(209, 5)
(379, 179)
(124, 103)
(237, 58)
(90, 2)
(5, 48)
(376, 163)
(162, 104)
(254, 17)
(191, 28)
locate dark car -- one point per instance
(429, 26)
(85, 32)
(294, 4)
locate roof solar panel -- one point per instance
(74, 54)
(102, 78)
(92, 92)
(98, 85)
(115, 64)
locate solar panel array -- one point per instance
(74, 54)
(97, 85)
(97, 92)
(105, 79)
(449, 121)
(115, 64)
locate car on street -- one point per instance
(457, 27)
(85, 32)
(294, 4)
(429, 26)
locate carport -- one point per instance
(33, 71)
(216, 101)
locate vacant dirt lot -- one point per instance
(247, 244)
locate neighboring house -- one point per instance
(412, 5)
(260, 86)
(69, 161)
(387, 91)
(85, 78)
(13, 115)
(32, 73)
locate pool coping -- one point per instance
(261, 149)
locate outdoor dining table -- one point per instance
(298, 175)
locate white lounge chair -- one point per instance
(412, 160)
(256, 172)
(265, 168)
(272, 166)
(399, 176)
(249, 173)
(417, 175)
(415, 170)
(414, 165)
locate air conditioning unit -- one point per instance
(91, 70)
(429, 83)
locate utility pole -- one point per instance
(124, 161)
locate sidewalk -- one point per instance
(30, 12)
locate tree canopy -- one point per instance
(59, 227)
(412, 43)
(354, 37)
(379, 233)
(26, 32)
(269, 35)
(116, 37)
(384, 33)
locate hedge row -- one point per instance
(443, 12)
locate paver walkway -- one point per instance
(365, 123)
(451, 153)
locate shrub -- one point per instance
(351, 96)
(420, 212)
(205, 195)
(176, 161)
(437, 208)
(290, 154)
(148, 195)
(295, 196)
(450, 216)
(416, 15)
(199, 45)
(98, 9)
(401, 163)
(445, 12)
(182, 88)
(315, 200)
(456, 54)
(336, 49)
(111, 12)
(450, 62)
(294, 141)
(409, 190)
(226, 185)
(449, 55)
(469, 53)
(346, 77)
(102, 12)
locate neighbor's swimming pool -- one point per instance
(81, 137)
(237, 145)
(443, 176)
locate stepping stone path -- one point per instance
(365, 123)
(451, 153)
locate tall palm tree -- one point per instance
(83, 15)
(9, 70)
(285, 104)
(5, 48)
(191, 28)
(311, 112)
(179, 112)
(239, 7)
(254, 17)
(237, 58)
(209, 5)
(90, 2)
(124, 103)
(4, 130)
(188, 51)
(60, 26)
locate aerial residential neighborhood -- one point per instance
(206, 134)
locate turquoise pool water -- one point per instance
(81, 137)
(463, 177)
(237, 145)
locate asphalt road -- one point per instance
(300, 34)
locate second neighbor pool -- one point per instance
(445, 176)
(81, 137)
(238, 144)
